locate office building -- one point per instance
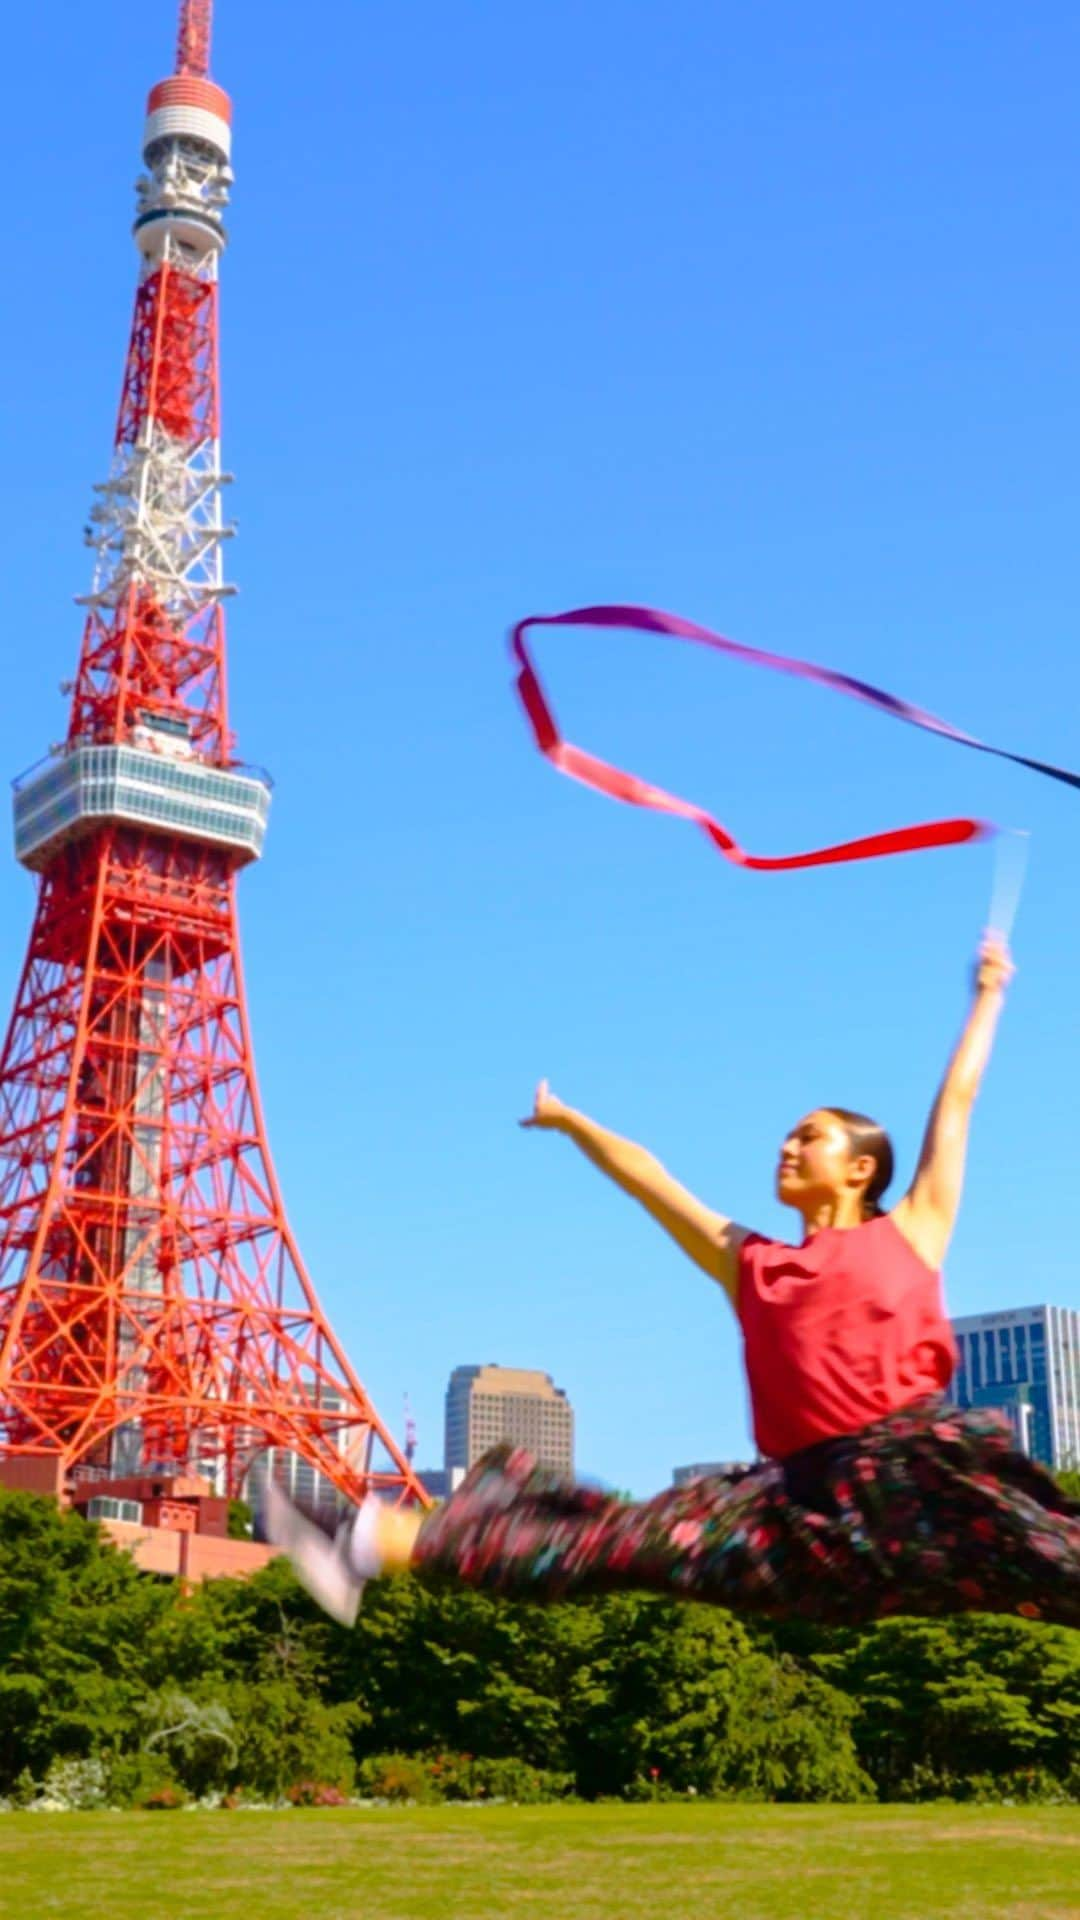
(301, 1480)
(1025, 1360)
(485, 1405)
(707, 1470)
(438, 1483)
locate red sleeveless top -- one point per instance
(838, 1333)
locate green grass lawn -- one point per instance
(602, 1863)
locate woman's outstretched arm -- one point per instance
(927, 1213)
(711, 1240)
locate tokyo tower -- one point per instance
(155, 1315)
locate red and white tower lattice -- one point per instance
(154, 1311)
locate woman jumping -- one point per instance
(873, 1496)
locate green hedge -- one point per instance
(117, 1688)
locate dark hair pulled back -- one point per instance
(865, 1136)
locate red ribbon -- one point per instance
(620, 785)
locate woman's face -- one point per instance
(816, 1163)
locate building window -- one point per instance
(105, 1507)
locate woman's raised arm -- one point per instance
(711, 1239)
(927, 1213)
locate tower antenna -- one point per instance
(193, 38)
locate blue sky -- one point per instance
(766, 315)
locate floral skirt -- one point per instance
(928, 1511)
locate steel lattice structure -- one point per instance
(154, 1310)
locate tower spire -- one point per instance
(193, 38)
(155, 1313)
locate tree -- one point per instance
(439, 1668)
(74, 1616)
(241, 1520)
(117, 1680)
(285, 1735)
(197, 1737)
(976, 1693)
(790, 1737)
(651, 1695)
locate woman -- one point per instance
(873, 1496)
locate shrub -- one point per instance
(194, 1737)
(69, 1786)
(395, 1776)
(655, 1788)
(133, 1775)
(1028, 1786)
(285, 1733)
(315, 1793)
(167, 1799)
(460, 1777)
(424, 1778)
(79, 1784)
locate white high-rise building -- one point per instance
(1025, 1360)
(300, 1479)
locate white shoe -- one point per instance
(334, 1568)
